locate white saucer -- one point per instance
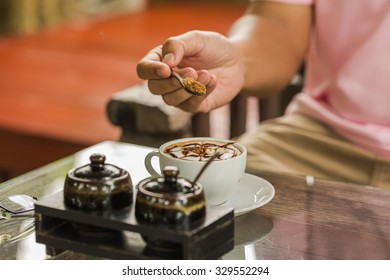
(252, 192)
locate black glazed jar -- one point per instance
(98, 186)
(169, 200)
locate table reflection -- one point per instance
(21, 243)
(249, 230)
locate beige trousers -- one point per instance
(299, 145)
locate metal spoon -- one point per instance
(194, 87)
(210, 160)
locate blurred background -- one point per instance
(62, 61)
(29, 16)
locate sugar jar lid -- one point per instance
(169, 183)
(98, 169)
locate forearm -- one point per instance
(272, 39)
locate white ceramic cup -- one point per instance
(220, 178)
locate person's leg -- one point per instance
(299, 145)
(381, 174)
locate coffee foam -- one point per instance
(202, 151)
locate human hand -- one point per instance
(208, 57)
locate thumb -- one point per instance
(176, 48)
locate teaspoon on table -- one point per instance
(190, 85)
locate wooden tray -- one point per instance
(58, 226)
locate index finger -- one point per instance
(175, 48)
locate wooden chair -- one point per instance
(145, 119)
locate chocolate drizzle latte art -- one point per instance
(195, 151)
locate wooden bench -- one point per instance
(55, 84)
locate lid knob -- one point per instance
(97, 161)
(171, 183)
(171, 171)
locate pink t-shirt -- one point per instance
(348, 71)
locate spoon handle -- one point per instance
(210, 160)
(178, 77)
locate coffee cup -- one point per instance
(221, 177)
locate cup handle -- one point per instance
(148, 163)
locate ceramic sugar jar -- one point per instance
(169, 201)
(98, 186)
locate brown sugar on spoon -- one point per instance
(191, 85)
(194, 86)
